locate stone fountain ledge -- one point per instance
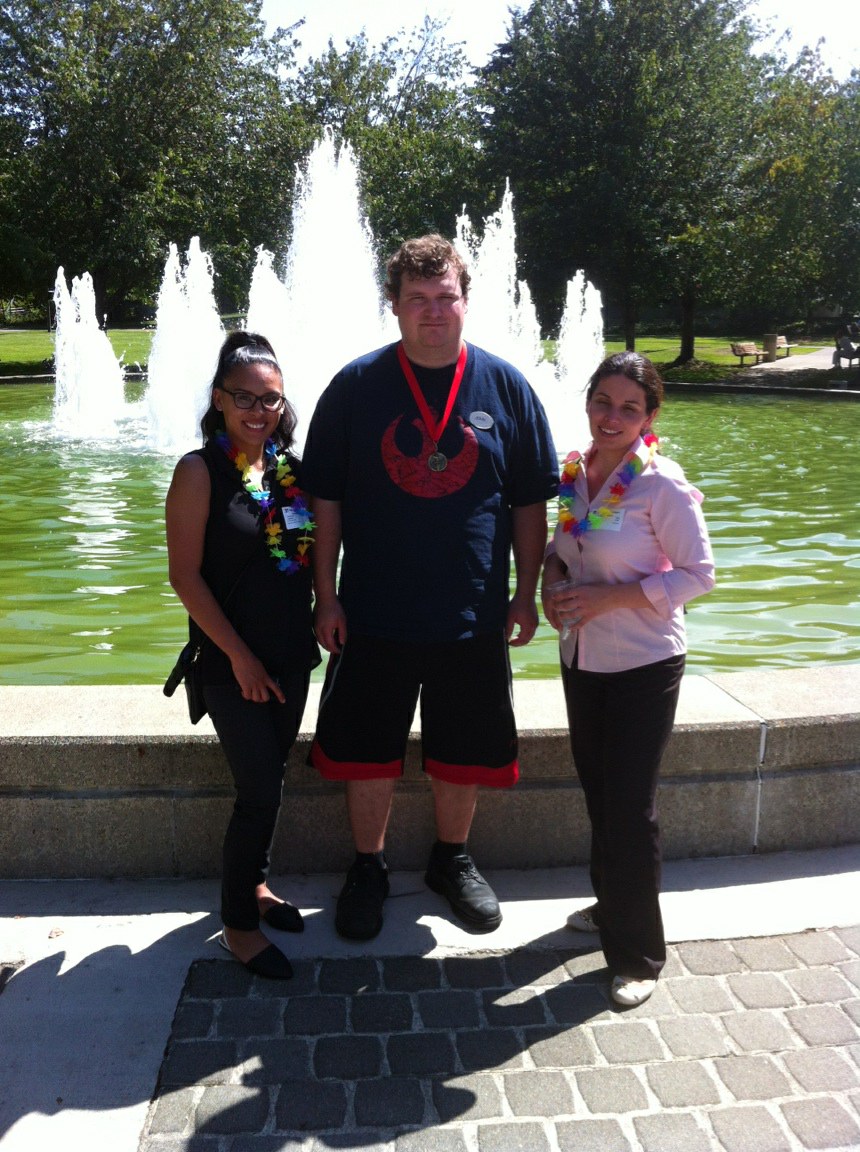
(115, 782)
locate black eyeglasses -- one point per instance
(269, 402)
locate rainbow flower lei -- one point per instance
(271, 520)
(627, 473)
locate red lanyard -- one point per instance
(434, 430)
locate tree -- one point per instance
(801, 180)
(130, 123)
(842, 248)
(619, 123)
(403, 108)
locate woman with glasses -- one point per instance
(239, 533)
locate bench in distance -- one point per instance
(748, 349)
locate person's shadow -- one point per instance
(354, 1048)
(63, 1048)
(356, 1057)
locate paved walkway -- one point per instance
(796, 362)
(124, 1027)
(747, 1044)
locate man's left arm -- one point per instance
(529, 542)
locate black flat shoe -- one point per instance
(271, 962)
(284, 917)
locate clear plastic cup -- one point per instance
(555, 589)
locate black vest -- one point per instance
(270, 609)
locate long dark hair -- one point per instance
(637, 368)
(247, 348)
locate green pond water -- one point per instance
(84, 597)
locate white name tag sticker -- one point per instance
(613, 523)
(292, 519)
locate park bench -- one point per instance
(781, 342)
(748, 349)
(846, 350)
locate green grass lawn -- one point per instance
(714, 360)
(28, 353)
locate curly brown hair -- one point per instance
(423, 258)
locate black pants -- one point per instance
(256, 739)
(620, 723)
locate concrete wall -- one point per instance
(114, 781)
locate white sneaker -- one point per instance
(629, 992)
(583, 920)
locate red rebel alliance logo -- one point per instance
(412, 474)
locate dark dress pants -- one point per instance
(620, 723)
(256, 739)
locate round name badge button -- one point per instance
(482, 420)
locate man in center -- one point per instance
(430, 462)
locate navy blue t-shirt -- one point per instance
(426, 555)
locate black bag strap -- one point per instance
(190, 654)
(201, 637)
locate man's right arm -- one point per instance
(329, 616)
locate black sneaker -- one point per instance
(359, 905)
(471, 898)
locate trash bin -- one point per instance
(769, 345)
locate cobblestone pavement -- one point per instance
(748, 1045)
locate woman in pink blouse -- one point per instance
(631, 548)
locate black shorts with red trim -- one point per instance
(468, 731)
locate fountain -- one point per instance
(327, 218)
(184, 354)
(311, 341)
(328, 308)
(501, 315)
(580, 340)
(85, 600)
(89, 397)
(502, 318)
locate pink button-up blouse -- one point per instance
(657, 535)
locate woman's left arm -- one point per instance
(678, 523)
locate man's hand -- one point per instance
(522, 613)
(330, 624)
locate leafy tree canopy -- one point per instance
(402, 106)
(128, 123)
(619, 123)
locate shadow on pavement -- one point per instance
(62, 1050)
(355, 1047)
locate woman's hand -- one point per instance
(556, 598)
(588, 601)
(254, 681)
(555, 587)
